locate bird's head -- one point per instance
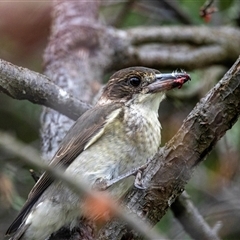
(141, 85)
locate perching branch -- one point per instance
(24, 84)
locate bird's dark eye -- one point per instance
(134, 81)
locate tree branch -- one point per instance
(70, 61)
(173, 165)
(23, 84)
(191, 219)
(186, 47)
(122, 14)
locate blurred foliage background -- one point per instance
(214, 188)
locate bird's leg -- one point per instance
(102, 184)
(34, 175)
(138, 176)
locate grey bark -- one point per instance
(24, 84)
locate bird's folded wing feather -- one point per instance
(78, 137)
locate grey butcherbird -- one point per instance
(120, 133)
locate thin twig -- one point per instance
(191, 220)
(182, 16)
(123, 13)
(207, 10)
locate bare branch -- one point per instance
(174, 6)
(21, 83)
(30, 156)
(187, 47)
(207, 10)
(191, 219)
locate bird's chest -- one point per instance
(142, 128)
(127, 142)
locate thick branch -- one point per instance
(173, 47)
(69, 63)
(21, 83)
(173, 165)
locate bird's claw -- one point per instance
(101, 184)
(138, 178)
(34, 175)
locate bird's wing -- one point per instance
(87, 129)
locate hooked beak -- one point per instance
(167, 81)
